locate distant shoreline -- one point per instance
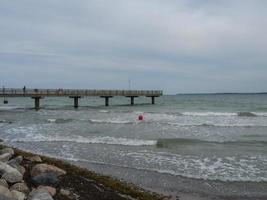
(219, 93)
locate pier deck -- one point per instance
(76, 94)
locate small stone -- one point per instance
(52, 191)
(39, 194)
(3, 183)
(5, 157)
(44, 168)
(34, 158)
(7, 150)
(47, 179)
(18, 195)
(21, 187)
(5, 191)
(64, 192)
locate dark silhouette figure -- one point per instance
(24, 89)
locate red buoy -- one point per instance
(140, 117)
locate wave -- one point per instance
(59, 120)
(118, 121)
(5, 122)
(110, 121)
(226, 114)
(246, 114)
(165, 143)
(6, 108)
(93, 140)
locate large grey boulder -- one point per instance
(5, 157)
(2, 197)
(44, 168)
(10, 174)
(5, 192)
(52, 191)
(18, 195)
(39, 194)
(47, 179)
(15, 161)
(3, 183)
(20, 168)
(34, 158)
(7, 150)
(21, 187)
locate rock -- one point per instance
(15, 161)
(52, 191)
(65, 193)
(5, 157)
(34, 158)
(20, 168)
(5, 191)
(21, 187)
(47, 179)
(7, 150)
(3, 183)
(2, 197)
(10, 174)
(44, 168)
(39, 194)
(18, 195)
(12, 177)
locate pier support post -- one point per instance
(76, 101)
(132, 99)
(37, 102)
(153, 100)
(106, 99)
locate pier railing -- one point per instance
(12, 92)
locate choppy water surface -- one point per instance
(202, 137)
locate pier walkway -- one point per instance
(76, 94)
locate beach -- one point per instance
(187, 146)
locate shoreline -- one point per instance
(147, 185)
(108, 188)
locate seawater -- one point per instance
(216, 137)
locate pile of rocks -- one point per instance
(28, 178)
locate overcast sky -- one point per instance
(180, 46)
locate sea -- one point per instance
(188, 146)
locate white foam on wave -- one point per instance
(51, 120)
(111, 121)
(8, 107)
(261, 114)
(207, 168)
(209, 114)
(90, 140)
(103, 111)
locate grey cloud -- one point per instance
(186, 44)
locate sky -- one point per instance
(178, 46)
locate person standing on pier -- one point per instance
(24, 89)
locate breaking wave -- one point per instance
(92, 140)
(226, 114)
(165, 143)
(59, 120)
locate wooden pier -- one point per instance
(38, 94)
